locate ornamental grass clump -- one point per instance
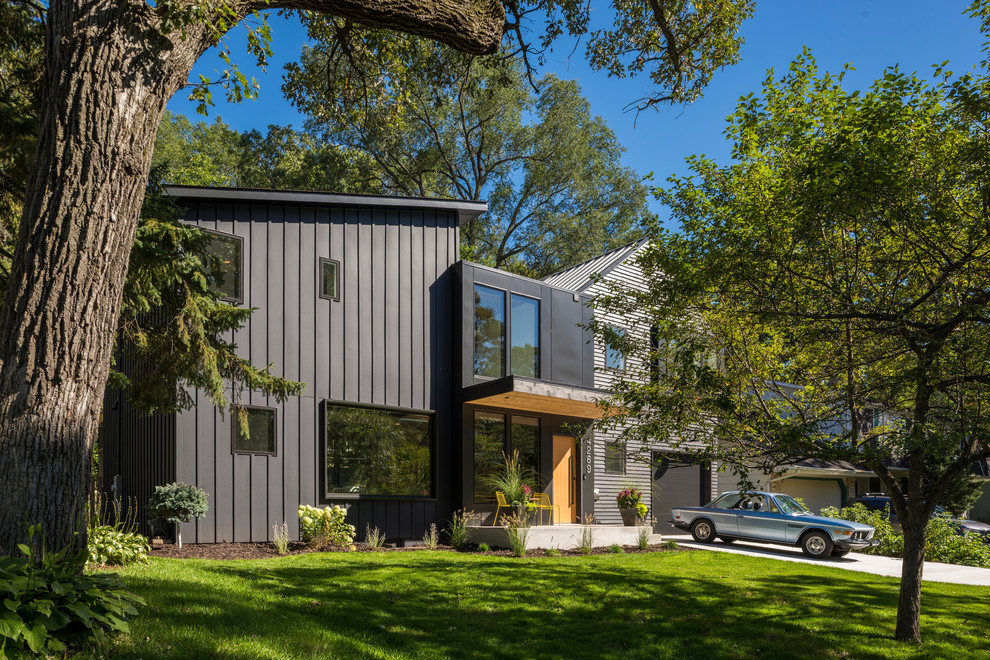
(513, 480)
(325, 529)
(280, 538)
(457, 530)
(177, 503)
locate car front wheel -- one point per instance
(816, 545)
(703, 531)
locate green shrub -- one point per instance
(483, 547)
(616, 549)
(457, 530)
(50, 606)
(325, 528)
(552, 552)
(645, 533)
(942, 543)
(115, 547)
(670, 544)
(178, 503)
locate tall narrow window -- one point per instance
(489, 445)
(257, 436)
(222, 258)
(371, 451)
(614, 357)
(329, 279)
(525, 439)
(525, 321)
(489, 331)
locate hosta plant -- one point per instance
(114, 547)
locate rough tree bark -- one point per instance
(109, 73)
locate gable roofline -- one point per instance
(466, 210)
(609, 260)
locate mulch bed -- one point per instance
(265, 550)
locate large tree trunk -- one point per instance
(108, 77)
(914, 525)
(109, 72)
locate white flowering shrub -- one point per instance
(325, 528)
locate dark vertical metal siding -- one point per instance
(383, 343)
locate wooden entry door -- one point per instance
(565, 477)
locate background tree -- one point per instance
(438, 123)
(110, 68)
(840, 264)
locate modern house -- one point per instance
(420, 371)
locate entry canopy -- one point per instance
(537, 396)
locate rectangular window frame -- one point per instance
(508, 446)
(327, 497)
(506, 324)
(609, 351)
(235, 427)
(240, 267)
(614, 447)
(319, 278)
(510, 343)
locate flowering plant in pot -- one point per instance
(631, 506)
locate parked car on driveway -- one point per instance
(772, 518)
(881, 502)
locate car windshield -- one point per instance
(790, 506)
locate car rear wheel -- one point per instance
(840, 552)
(703, 531)
(816, 545)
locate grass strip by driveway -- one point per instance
(441, 604)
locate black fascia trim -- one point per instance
(466, 210)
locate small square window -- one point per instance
(259, 437)
(329, 279)
(615, 457)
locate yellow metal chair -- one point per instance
(543, 502)
(502, 504)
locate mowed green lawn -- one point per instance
(442, 604)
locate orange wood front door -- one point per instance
(564, 473)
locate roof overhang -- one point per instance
(466, 210)
(537, 396)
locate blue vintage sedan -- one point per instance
(772, 518)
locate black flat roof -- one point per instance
(466, 210)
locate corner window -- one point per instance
(329, 279)
(258, 435)
(489, 331)
(224, 266)
(525, 332)
(615, 457)
(614, 357)
(371, 451)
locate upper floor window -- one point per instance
(224, 265)
(492, 319)
(257, 435)
(525, 332)
(614, 357)
(489, 331)
(329, 279)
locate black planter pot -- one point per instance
(629, 517)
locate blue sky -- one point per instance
(869, 34)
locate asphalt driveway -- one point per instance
(854, 561)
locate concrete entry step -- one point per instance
(561, 537)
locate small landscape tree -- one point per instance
(178, 503)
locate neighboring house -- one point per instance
(420, 372)
(667, 477)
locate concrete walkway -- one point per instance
(854, 561)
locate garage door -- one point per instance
(816, 493)
(677, 483)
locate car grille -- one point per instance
(862, 536)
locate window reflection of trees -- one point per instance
(489, 332)
(489, 443)
(377, 452)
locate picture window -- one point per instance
(258, 435)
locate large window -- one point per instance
(525, 322)
(223, 263)
(370, 451)
(494, 440)
(489, 331)
(255, 434)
